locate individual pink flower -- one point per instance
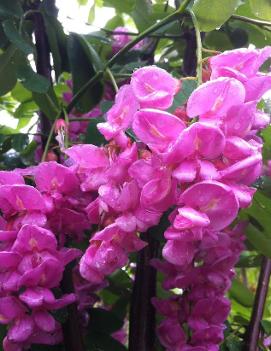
(154, 87)
(246, 61)
(214, 199)
(215, 98)
(120, 116)
(157, 129)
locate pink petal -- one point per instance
(157, 128)
(213, 198)
(215, 97)
(154, 87)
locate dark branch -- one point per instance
(258, 308)
(43, 65)
(142, 313)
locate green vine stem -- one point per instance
(66, 136)
(112, 78)
(252, 21)
(168, 19)
(48, 142)
(199, 46)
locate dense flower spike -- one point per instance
(201, 170)
(31, 264)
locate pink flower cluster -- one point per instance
(121, 37)
(32, 262)
(204, 169)
(220, 159)
(199, 163)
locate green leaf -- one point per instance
(217, 40)
(30, 79)
(116, 21)
(104, 321)
(82, 2)
(26, 109)
(120, 280)
(57, 42)
(249, 261)
(12, 33)
(233, 343)
(241, 294)
(23, 122)
(93, 136)
(120, 6)
(7, 70)
(99, 3)
(188, 86)
(19, 141)
(3, 38)
(261, 8)
(142, 14)
(261, 211)
(21, 94)
(211, 14)
(258, 240)
(84, 64)
(48, 103)
(91, 14)
(10, 8)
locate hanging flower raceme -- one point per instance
(31, 265)
(198, 162)
(205, 169)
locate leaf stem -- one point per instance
(168, 19)
(134, 34)
(113, 81)
(251, 20)
(258, 308)
(66, 140)
(47, 145)
(199, 46)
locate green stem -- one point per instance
(66, 137)
(79, 119)
(199, 47)
(113, 81)
(168, 19)
(134, 34)
(251, 20)
(46, 148)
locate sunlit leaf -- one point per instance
(211, 14)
